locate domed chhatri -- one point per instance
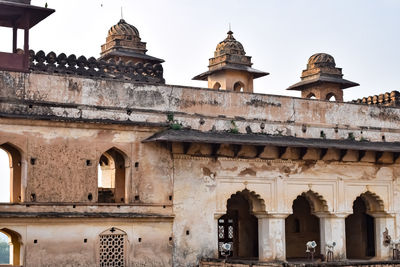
(320, 60)
(123, 43)
(229, 46)
(123, 28)
(230, 68)
(322, 79)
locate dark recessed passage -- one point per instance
(137, 197)
(33, 161)
(140, 239)
(85, 240)
(90, 196)
(170, 197)
(74, 206)
(170, 238)
(35, 241)
(136, 164)
(187, 232)
(88, 162)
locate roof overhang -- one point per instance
(21, 16)
(318, 79)
(194, 136)
(256, 73)
(132, 54)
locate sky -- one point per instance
(280, 35)
(4, 177)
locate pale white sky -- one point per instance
(4, 177)
(280, 35)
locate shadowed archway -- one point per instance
(239, 226)
(302, 225)
(360, 227)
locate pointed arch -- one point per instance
(112, 173)
(257, 204)
(238, 86)
(316, 201)
(15, 164)
(372, 201)
(239, 226)
(311, 96)
(303, 225)
(331, 97)
(217, 86)
(15, 246)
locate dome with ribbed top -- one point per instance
(229, 46)
(123, 28)
(321, 60)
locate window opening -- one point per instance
(4, 249)
(217, 86)
(238, 87)
(111, 177)
(112, 248)
(10, 174)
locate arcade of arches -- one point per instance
(241, 227)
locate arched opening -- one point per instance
(10, 174)
(10, 247)
(112, 251)
(330, 97)
(217, 86)
(111, 177)
(4, 249)
(360, 231)
(311, 96)
(300, 227)
(239, 227)
(238, 87)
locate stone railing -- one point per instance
(391, 99)
(91, 67)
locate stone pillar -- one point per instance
(382, 221)
(271, 237)
(333, 229)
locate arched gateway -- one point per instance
(239, 226)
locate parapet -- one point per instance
(391, 99)
(129, 71)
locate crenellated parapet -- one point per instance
(391, 99)
(91, 67)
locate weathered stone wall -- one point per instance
(61, 171)
(66, 122)
(75, 98)
(202, 187)
(62, 242)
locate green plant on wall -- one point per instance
(234, 129)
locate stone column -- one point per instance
(271, 237)
(382, 221)
(333, 229)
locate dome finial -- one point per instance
(230, 31)
(122, 14)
